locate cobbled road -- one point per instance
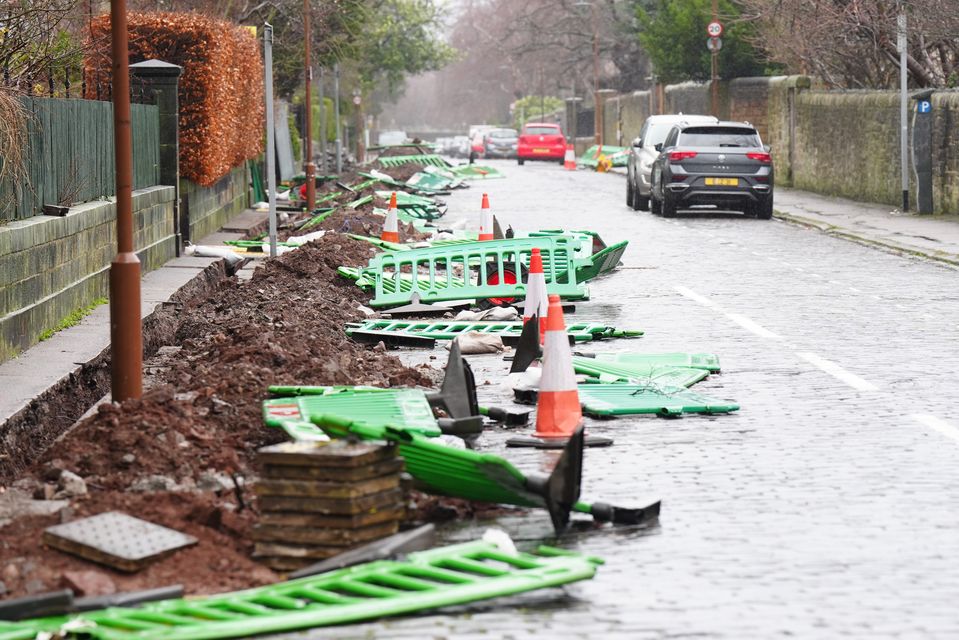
(827, 507)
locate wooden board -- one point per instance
(319, 489)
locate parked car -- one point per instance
(460, 147)
(643, 153)
(501, 143)
(541, 141)
(723, 164)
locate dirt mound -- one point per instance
(179, 455)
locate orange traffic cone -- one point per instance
(569, 160)
(558, 412)
(391, 229)
(536, 301)
(486, 221)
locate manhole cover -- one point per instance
(117, 540)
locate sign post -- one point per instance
(922, 150)
(714, 30)
(270, 132)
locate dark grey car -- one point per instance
(723, 164)
(501, 143)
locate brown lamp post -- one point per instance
(126, 335)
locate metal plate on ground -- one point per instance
(117, 540)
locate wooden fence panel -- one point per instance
(70, 155)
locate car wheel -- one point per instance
(640, 203)
(764, 210)
(668, 206)
(520, 161)
(630, 194)
(655, 206)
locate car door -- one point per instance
(655, 179)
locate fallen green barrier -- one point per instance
(618, 156)
(376, 330)
(659, 368)
(617, 399)
(424, 580)
(475, 172)
(484, 477)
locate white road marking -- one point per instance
(837, 372)
(753, 327)
(692, 295)
(855, 290)
(937, 424)
(799, 269)
(816, 275)
(755, 253)
(836, 283)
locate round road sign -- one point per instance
(714, 29)
(357, 100)
(714, 44)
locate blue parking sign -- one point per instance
(924, 106)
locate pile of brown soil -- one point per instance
(196, 431)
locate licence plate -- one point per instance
(722, 182)
(540, 150)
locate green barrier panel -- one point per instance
(359, 202)
(478, 270)
(618, 155)
(475, 172)
(707, 361)
(449, 330)
(430, 181)
(423, 158)
(374, 406)
(20, 630)
(638, 371)
(317, 219)
(386, 245)
(414, 213)
(629, 399)
(404, 199)
(602, 262)
(441, 577)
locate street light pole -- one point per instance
(270, 132)
(309, 168)
(902, 42)
(598, 109)
(126, 333)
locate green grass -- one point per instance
(73, 319)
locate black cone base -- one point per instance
(555, 443)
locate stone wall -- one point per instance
(209, 208)
(52, 266)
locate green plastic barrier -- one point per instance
(475, 172)
(419, 158)
(601, 400)
(455, 272)
(404, 199)
(449, 330)
(619, 156)
(441, 577)
(643, 368)
(372, 405)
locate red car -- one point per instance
(541, 141)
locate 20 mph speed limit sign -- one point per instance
(714, 29)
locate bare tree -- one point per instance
(36, 39)
(852, 43)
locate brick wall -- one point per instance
(52, 266)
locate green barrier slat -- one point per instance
(339, 597)
(386, 245)
(426, 268)
(404, 199)
(359, 202)
(581, 331)
(425, 159)
(707, 361)
(631, 399)
(431, 181)
(317, 219)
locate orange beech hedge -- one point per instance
(221, 89)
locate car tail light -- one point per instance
(765, 158)
(679, 156)
(678, 177)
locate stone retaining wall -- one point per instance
(52, 266)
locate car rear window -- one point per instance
(541, 131)
(503, 133)
(719, 137)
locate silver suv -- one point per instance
(643, 153)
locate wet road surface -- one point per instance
(826, 507)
